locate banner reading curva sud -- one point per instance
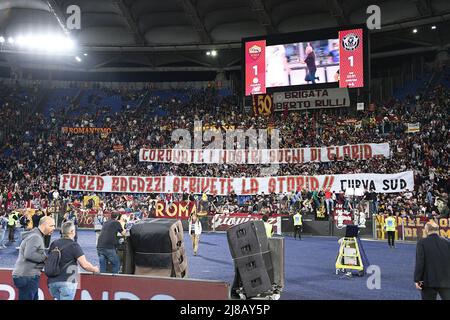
(311, 99)
(264, 156)
(380, 183)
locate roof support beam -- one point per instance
(59, 14)
(132, 24)
(413, 41)
(337, 12)
(424, 7)
(192, 15)
(232, 62)
(263, 16)
(202, 63)
(105, 62)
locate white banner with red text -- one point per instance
(222, 222)
(266, 156)
(380, 183)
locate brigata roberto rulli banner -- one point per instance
(264, 156)
(311, 99)
(381, 183)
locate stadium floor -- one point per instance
(309, 267)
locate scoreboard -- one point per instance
(327, 58)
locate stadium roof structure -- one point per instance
(164, 35)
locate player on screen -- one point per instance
(277, 68)
(334, 53)
(336, 76)
(310, 62)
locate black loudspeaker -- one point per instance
(158, 248)
(276, 248)
(126, 255)
(249, 249)
(351, 231)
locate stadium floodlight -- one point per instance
(67, 44)
(11, 40)
(2, 40)
(21, 41)
(45, 42)
(214, 53)
(208, 53)
(78, 58)
(415, 31)
(433, 27)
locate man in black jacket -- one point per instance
(432, 272)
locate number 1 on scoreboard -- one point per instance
(351, 61)
(256, 69)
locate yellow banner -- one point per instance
(95, 201)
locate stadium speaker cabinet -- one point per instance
(351, 231)
(125, 252)
(249, 247)
(287, 225)
(276, 248)
(158, 248)
(247, 238)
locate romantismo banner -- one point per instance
(311, 99)
(380, 183)
(354, 152)
(85, 130)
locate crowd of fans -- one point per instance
(36, 151)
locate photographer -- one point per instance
(108, 242)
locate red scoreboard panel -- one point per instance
(351, 54)
(255, 67)
(328, 58)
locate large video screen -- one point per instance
(302, 63)
(330, 58)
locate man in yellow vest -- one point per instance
(12, 219)
(268, 226)
(390, 226)
(298, 224)
(204, 203)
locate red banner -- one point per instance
(351, 51)
(86, 218)
(126, 287)
(175, 210)
(222, 222)
(341, 216)
(255, 67)
(118, 147)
